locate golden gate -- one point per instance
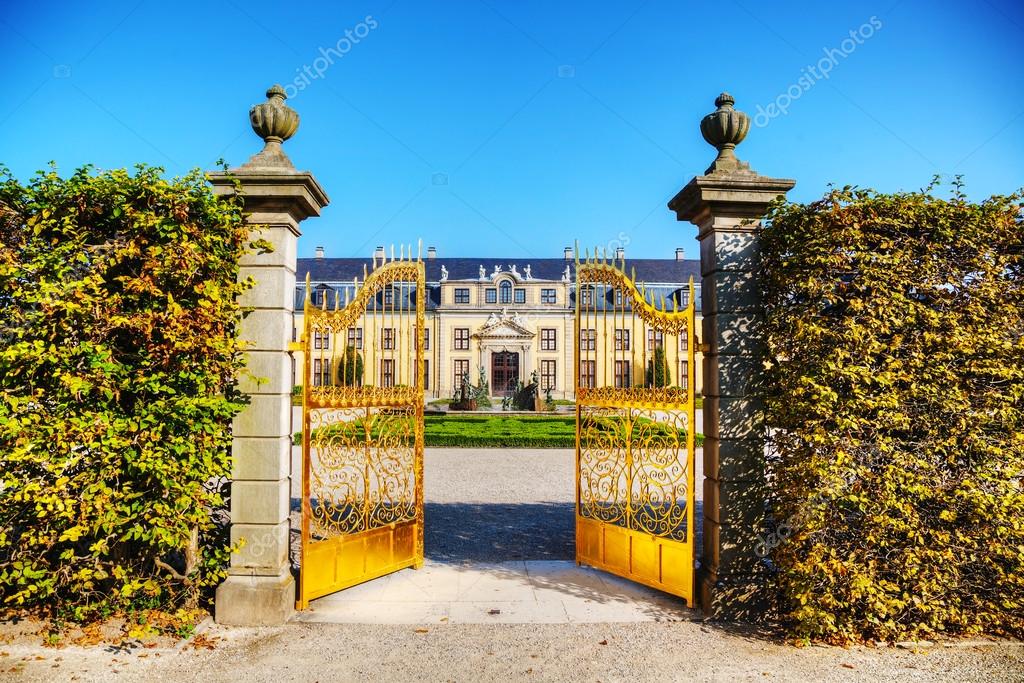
(634, 429)
(362, 428)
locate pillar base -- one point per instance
(255, 600)
(737, 598)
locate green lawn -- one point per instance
(495, 431)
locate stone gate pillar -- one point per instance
(726, 204)
(260, 589)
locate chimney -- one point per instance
(378, 253)
(568, 253)
(319, 252)
(680, 253)
(431, 253)
(620, 253)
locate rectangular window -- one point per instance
(684, 341)
(622, 340)
(387, 372)
(322, 340)
(461, 339)
(548, 375)
(426, 373)
(389, 296)
(462, 295)
(684, 372)
(548, 339)
(548, 296)
(355, 337)
(387, 338)
(588, 340)
(623, 380)
(426, 338)
(460, 369)
(587, 369)
(321, 372)
(491, 295)
(520, 295)
(655, 340)
(618, 297)
(587, 296)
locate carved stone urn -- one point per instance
(275, 122)
(725, 128)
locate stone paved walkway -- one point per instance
(538, 592)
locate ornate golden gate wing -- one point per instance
(634, 428)
(362, 428)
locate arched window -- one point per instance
(505, 289)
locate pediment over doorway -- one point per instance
(504, 327)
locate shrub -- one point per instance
(350, 367)
(658, 374)
(895, 390)
(118, 357)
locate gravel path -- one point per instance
(523, 652)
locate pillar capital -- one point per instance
(727, 195)
(295, 195)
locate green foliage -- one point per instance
(895, 391)
(474, 430)
(350, 367)
(118, 358)
(658, 373)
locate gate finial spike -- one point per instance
(632, 275)
(576, 253)
(409, 251)
(346, 297)
(364, 270)
(401, 252)
(307, 299)
(337, 298)
(586, 255)
(675, 304)
(663, 302)
(392, 252)
(419, 250)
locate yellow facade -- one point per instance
(504, 319)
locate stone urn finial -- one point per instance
(725, 128)
(275, 122)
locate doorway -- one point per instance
(504, 371)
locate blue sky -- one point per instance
(512, 128)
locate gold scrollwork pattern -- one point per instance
(362, 469)
(633, 469)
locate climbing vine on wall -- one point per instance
(895, 382)
(118, 359)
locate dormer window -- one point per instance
(505, 292)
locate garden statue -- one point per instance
(526, 272)
(566, 274)
(483, 272)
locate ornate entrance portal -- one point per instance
(362, 431)
(634, 430)
(504, 371)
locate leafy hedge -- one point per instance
(894, 326)
(118, 357)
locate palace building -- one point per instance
(506, 318)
